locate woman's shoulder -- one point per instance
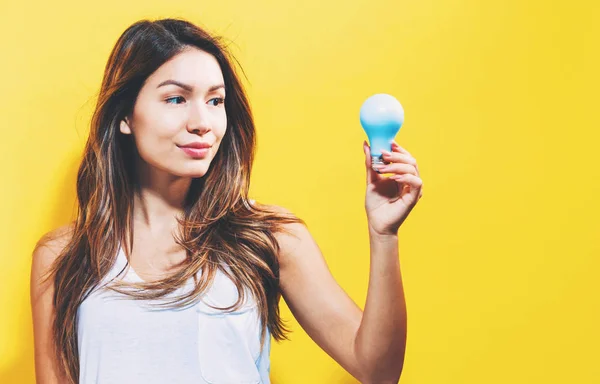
(271, 207)
(293, 234)
(50, 245)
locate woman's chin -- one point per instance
(194, 171)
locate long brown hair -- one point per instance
(219, 226)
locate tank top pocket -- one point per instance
(228, 342)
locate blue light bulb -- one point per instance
(381, 116)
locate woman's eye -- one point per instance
(174, 98)
(216, 101)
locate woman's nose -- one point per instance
(198, 121)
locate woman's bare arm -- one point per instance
(370, 345)
(47, 368)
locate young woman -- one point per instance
(170, 274)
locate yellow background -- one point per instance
(499, 258)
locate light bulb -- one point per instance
(381, 116)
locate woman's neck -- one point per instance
(159, 200)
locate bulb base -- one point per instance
(376, 160)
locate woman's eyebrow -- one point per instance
(187, 87)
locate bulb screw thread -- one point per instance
(376, 160)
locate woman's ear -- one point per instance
(124, 126)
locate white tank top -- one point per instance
(122, 340)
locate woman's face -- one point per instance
(180, 104)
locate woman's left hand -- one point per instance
(389, 200)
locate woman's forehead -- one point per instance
(193, 68)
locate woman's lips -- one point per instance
(196, 153)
